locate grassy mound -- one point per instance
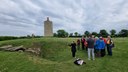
(56, 57)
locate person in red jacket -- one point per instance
(82, 42)
(105, 41)
(78, 44)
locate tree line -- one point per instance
(103, 32)
(63, 33)
(2, 38)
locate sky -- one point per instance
(26, 17)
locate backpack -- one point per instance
(77, 62)
(85, 43)
(112, 44)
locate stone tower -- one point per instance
(48, 28)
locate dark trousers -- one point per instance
(103, 52)
(109, 49)
(98, 52)
(95, 50)
(82, 45)
(87, 49)
(73, 54)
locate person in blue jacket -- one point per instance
(99, 45)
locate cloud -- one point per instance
(23, 17)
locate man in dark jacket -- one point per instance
(73, 48)
(91, 42)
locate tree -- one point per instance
(86, 33)
(94, 33)
(71, 34)
(66, 34)
(123, 33)
(103, 32)
(28, 36)
(112, 32)
(62, 33)
(54, 34)
(79, 35)
(76, 33)
(32, 35)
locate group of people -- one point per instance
(95, 46)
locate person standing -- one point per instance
(102, 46)
(91, 42)
(82, 42)
(78, 44)
(86, 44)
(96, 46)
(109, 45)
(73, 49)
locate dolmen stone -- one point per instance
(35, 49)
(11, 48)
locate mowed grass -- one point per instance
(56, 57)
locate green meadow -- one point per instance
(56, 57)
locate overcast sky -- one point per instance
(23, 17)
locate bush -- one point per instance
(2, 38)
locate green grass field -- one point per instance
(56, 57)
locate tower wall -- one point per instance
(48, 28)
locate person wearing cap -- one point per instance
(102, 42)
(100, 46)
(96, 46)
